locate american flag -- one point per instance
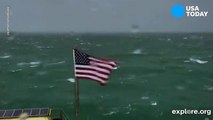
(89, 67)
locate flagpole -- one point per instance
(77, 101)
(77, 112)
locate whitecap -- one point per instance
(22, 63)
(185, 38)
(115, 68)
(5, 57)
(145, 98)
(209, 88)
(44, 47)
(169, 39)
(32, 66)
(154, 103)
(114, 111)
(71, 80)
(48, 47)
(137, 51)
(39, 47)
(34, 63)
(186, 61)
(57, 63)
(17, 70)
(110, 113)
(194, 60)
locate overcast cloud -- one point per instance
(102, 16)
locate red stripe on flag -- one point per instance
(91, 74)
(111, 63)
(92, 69)
(88, 67)
(102, 65)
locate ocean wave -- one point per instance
(207, 87)
(195, 60)
(122, 109)
(31, 64)
(144, 98)
(71, 80)
(185, 38)
(44, 47)
(34, 63)
(169, 39)
(114, 111)
(17, 70)
(22, 64)
(153, 103)
(35, 87)
(56, 63)
(5, 56)
(110, 113)
(137, 51)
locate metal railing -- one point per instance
(58, 114)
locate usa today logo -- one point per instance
(180, 11)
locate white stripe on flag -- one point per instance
(103, 61)
(102, 65)
(93, 67)
(92, 72)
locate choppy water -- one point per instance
(157, 73)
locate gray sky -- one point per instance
(102, 16)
